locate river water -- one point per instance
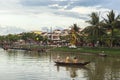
(25, 65)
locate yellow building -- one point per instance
(37, 32)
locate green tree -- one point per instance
(94, 29)
(12, 38)
(28, 36)
(111, 23)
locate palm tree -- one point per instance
(93, 30)
(111, 23)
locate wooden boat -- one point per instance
(102, 54)
(72, 64)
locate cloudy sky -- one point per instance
(25, 15)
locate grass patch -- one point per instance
(88, 50)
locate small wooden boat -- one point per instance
(103, 55)
(72, 64)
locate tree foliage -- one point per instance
(105, 30)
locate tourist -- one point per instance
(67, 59)
(75, 60)
(58, 58)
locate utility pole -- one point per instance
(51, 34)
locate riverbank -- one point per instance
(38, 48)
(94, 50)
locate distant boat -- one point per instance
(5, 47)
(102, 54)
(71, 63)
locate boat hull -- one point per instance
(72, 64)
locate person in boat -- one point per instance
(67, 60)
(75, 60)
(58, 58)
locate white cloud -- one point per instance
(30, 18)
(88, 10)
(35, 14)
(36, 21)
(9, 4)
(57, 6)
(10, 30)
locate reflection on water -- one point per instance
(24, 65)
(73, 71)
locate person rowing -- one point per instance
(58, 58)
(67, 60)
(75, 60)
